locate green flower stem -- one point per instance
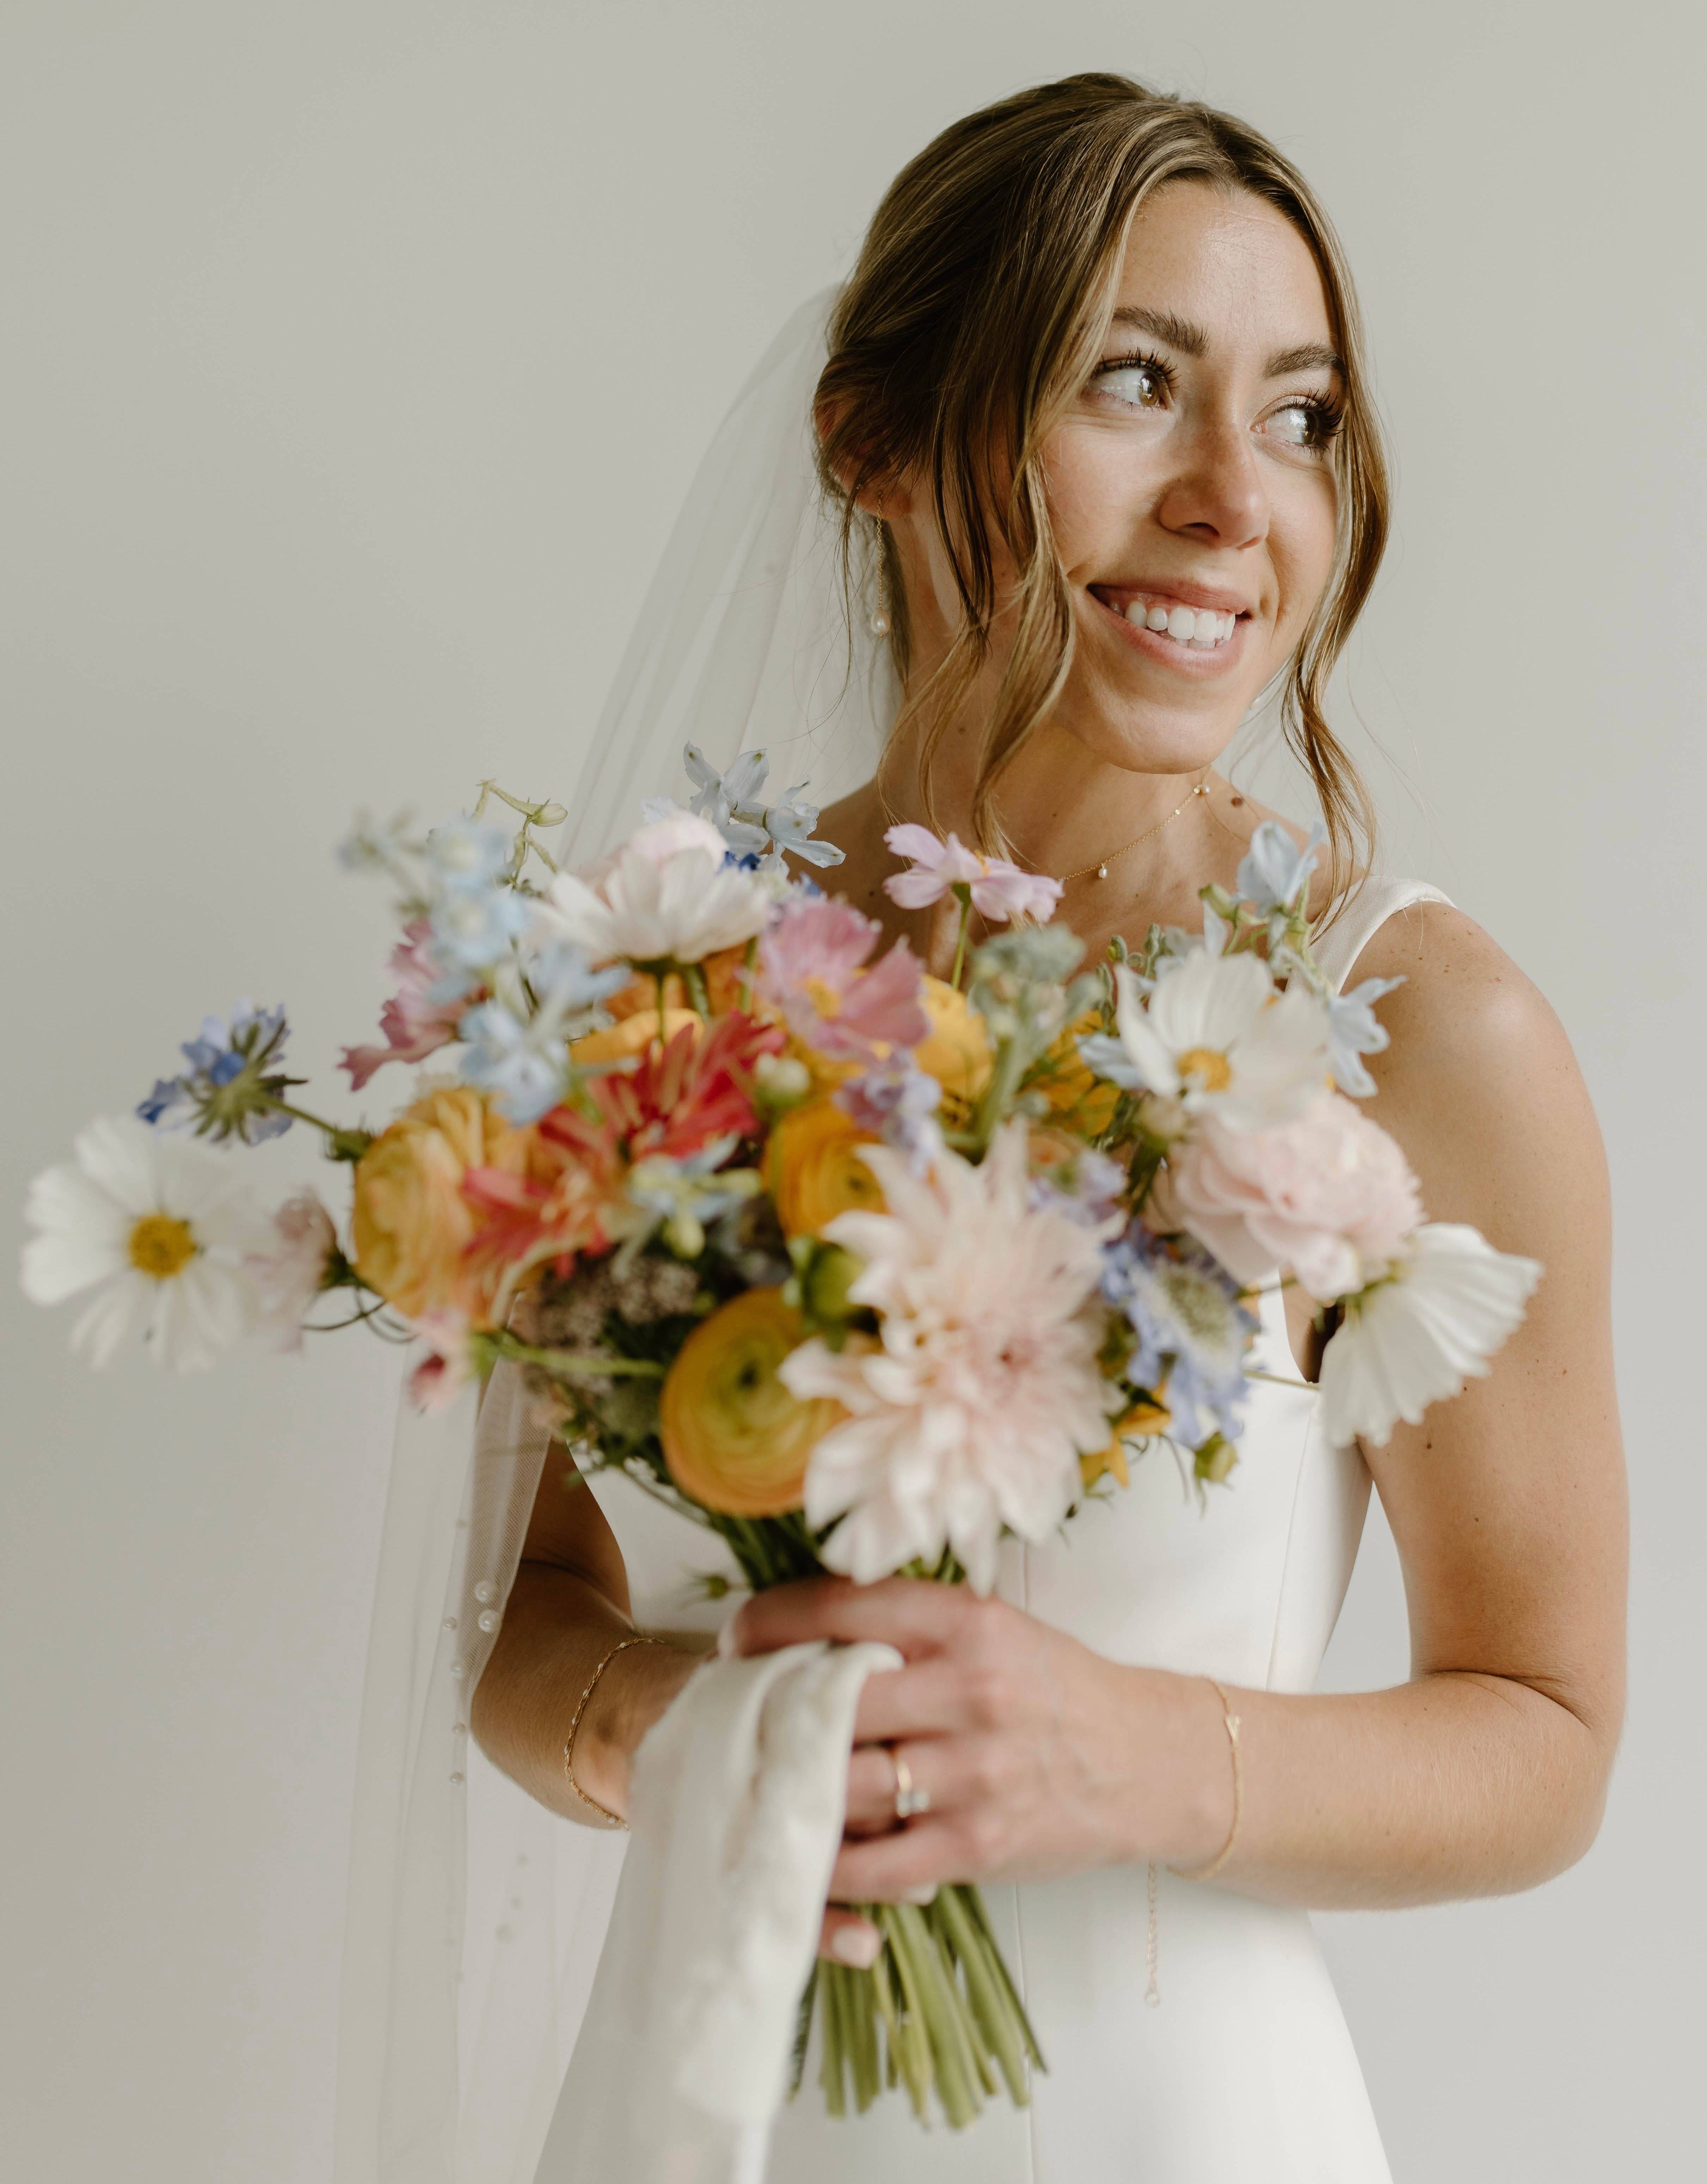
(573, 1361)
(980, 1919)
(832, 2066)
(693, 973)
(995, 2019)
(341, 1144)
(964, 895)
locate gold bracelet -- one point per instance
(1208, 1872)
(614, 1819)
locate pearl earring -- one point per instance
(879, 624)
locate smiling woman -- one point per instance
(1093, 424)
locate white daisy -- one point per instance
(1214, 1036)
(666, 896)
(158, 1227)
(1417, 1335)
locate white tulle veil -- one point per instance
(475, 1916)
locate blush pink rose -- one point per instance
(1329, 1194)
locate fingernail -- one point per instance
(920, 1896)
(858, 1946)
(726, 1640)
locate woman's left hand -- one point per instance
(1027, 1754)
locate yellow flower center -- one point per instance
(825, 999)
(161, 1245)
(1205, 1067)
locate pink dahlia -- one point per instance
(811, 962)
(1329, 1194)
(415, 1024)
(969, 1413)
(999, 890)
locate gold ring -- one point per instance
(909, 1798)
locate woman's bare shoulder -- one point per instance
(1479, 1084)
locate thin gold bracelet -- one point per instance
(613, 1819)
(1208, 1872)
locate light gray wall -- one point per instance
(355, 357)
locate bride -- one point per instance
(1094, 427)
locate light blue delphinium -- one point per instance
(523, 1060)
(1192, 1329)
(472, 929)
(1354, 1032)
(751, 828)
(230, 1085)
(1275, 873)
(467, 855)
(683, 1196)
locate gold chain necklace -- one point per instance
(1101, 867)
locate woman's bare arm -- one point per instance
(568, 1607)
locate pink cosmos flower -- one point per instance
(289, 1273)
(811, 961)
(1329, 1194)
(968, 1415)
(440, 1377)
(413, 1023)
(1000, 890)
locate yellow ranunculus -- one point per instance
(814, 1171)
(411, 1222)
(1144, 1417)
(630, 1036)
(957, 1051)
(1084, 1103)
(735, 1439)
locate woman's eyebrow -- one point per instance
(1191, 341)
(1309, 356)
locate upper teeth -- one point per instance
(1200, 626)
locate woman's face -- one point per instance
(1190, 485)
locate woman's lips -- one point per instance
(1191, 640)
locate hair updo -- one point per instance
(979, 307)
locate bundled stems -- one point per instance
(937, 2013)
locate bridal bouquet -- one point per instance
(861, 1270)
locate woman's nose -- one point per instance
(1217, 494)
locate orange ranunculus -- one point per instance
(735, 1439)
(957, 1051)
(631, 1035)
(813, 1168)
(1084, 1103)
(411, 1222)
(725, 977)
(1143, 1418)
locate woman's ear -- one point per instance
(885, 501)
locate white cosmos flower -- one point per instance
(1214, 1036)
(1418, 1335)
(667, 895)
(971, 1411)
(158, 1227)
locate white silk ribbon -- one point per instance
(737, 1810)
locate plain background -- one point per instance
(356, 356)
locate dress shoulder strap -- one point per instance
(1378, 899)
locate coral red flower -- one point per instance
(678, 1098)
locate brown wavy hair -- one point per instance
(979, 307)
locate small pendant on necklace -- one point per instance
(1102, 871)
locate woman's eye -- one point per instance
(1300, 425)
(1140, 385)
